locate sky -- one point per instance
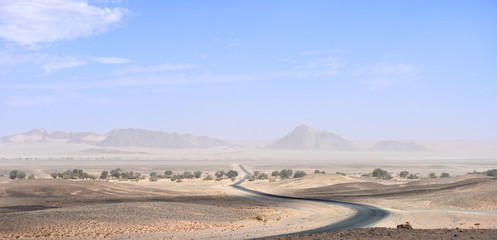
(365, 70)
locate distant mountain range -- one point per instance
(305, 138)
(301, 138)
(118, 138)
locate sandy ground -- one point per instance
(192, 209)
(460, 202)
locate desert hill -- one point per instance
(396, 146)
(153, 139)
(118, 138)
(305, 138)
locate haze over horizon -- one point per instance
(251, 70)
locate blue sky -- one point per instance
(251, 69)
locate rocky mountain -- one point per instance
(305, 138)
(118, 138)
(153, 139)
(42, 135)
(396, 146)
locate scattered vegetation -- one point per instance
(73, 174)
(381, 174)
(197, 174)
(104, 174)
(31, 176)
(232, 174)
(403, 174)
(413, 176)
(286, 173)
(299, 174)
(208, 177)
(490, 172)
(16, 174)
(259, 217)
(341, 173)
(168, 174)
(263, 176)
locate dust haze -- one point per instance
(429, 184)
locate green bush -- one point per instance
(153, 178)
(403, 174)
(188, 174)
(232, 174)
(197, 174)
(168, 173)
(412, 176)
(17, 174)
(299, 174)
(208, 177)
(275, 174)
(432, 175)
(381, 174)
(444, 175)
(104, 174)
(263, 176)
(286, 173)
(341, 173)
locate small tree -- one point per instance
(13, 174)
(153, 178)
(54, 175)
(432, 175)
(263, 176)
(286, 173)
(299, 174)
(197, 174)
(31, 176)
(275, 173)
(208, 177)
(232, 174)
(444, 175)
(491, 172)
(153, 174)
(256, 174)
(116, 173)
(220, 174)
(104, 174)
(21, 175)
(381, 174)
(168, 173)
(412, 176)
(188, 174)
(403, 174)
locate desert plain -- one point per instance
(462, 204)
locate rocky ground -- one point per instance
(395, 234)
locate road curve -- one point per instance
(365, 216)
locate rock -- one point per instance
(407, 225)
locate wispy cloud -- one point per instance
(387, 74)
(29, 22)
(111, 60)
(315, 52)
(165, 67)
(51, 67)
(325, 67)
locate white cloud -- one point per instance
(111, 60)
(29, 22)
(49, 68)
